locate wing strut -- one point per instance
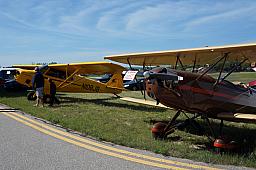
(222, 67)
(69, 77)
(67, 70)
(129, 63)
(211, 67)
(178, 60)
(194, 65)
(144, 64)
(233, 69)
(175, 67)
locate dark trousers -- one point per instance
(53, 99)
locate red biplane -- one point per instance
(193, 92)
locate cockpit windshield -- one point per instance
(56, 73)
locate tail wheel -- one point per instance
(158, 130)
(47, 98)
(31, 96)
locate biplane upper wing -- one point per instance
(205, 55)
(89, 68)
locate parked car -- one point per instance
(7, 73)
(136, 84)
(105, 78)
(13, 85)
(7, 80)
(2, 82)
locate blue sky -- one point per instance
(67, 31)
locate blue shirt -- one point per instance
(38, 80)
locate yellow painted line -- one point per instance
(115, 149)
(93, 148)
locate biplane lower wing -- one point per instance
(144, 102)
(240, 117)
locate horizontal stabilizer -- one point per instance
(142, 101)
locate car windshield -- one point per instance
(7, 74)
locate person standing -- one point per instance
(53, 98)
(38, 85)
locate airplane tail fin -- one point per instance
(116, 81)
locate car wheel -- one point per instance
(134, 88)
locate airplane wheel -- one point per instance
(31, 96)
(158, 130)
(47, 98)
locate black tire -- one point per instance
(31, 96)
(134, 88)
(158, 130)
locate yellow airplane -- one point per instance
(68, 77)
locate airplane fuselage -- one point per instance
(201, 95)
(77, 84)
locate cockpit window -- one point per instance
(56, 73)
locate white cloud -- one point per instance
(228, 16)
(65, 27)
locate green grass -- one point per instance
(107, 118)
(244, 77)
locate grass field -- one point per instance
(243, 77)
(105, 117)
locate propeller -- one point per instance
(162, 75)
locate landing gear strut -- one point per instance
(223, 143)
(161, 130)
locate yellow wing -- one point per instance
(81, 68)
(26, 66)
(206, 55)
(89, 68)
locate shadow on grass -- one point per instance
(109, 102)
(244, 137)
(12, 93)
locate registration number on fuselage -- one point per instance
(90, 87)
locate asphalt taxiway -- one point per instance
(27, 143)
